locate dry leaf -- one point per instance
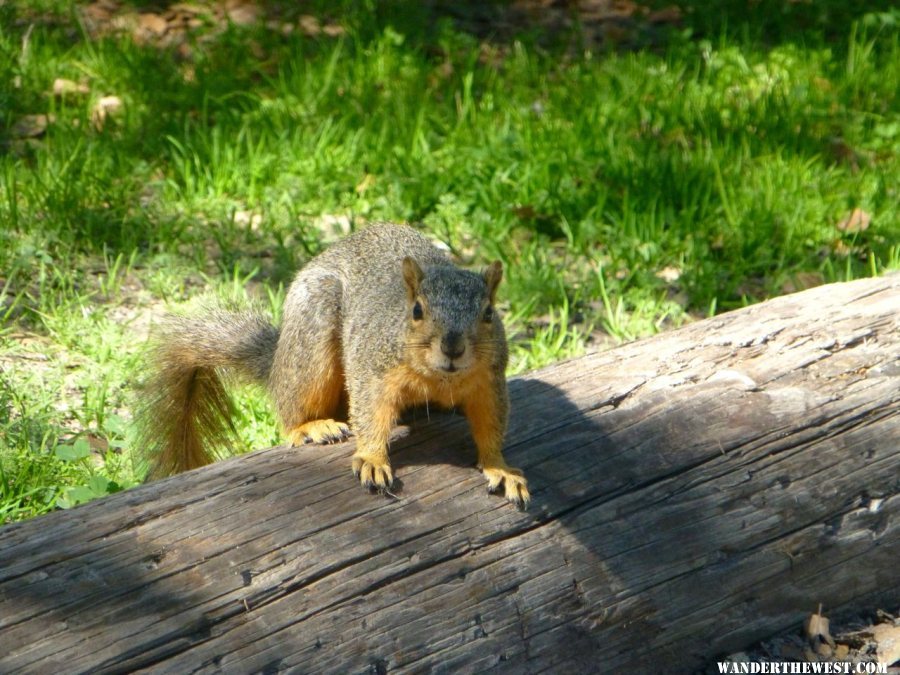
(248, 218)
(123, 23)
(856, 221)
(152, 23)
(257, 50)
(887, 637)
(309, 25)
(333, 29)
(843, 152)
(188, 8)
(605, 11)
(242, 13)
(817, 629)
(525, 212)
(100, 11)
(105, 108)
(97, 443)
(30, 126)
(669, 274)
(671, 14)
(64, 87)
(280, 27)
(824, 650)
(801, 281)
(840, 249)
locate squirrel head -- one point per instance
(452, 324)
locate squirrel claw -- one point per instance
(373, 472)
(515, 487)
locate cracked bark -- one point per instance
(693, 493)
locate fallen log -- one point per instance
(692, 493)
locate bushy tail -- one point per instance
(185, 412)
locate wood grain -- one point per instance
(692, 493)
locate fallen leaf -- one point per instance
(242, 13)
(525, 212)
(801, 281)
(856, 221)
(248, 218)
(605, 11)
(188, 8)
(100, 11)
(64, 87)
(824, 650)
(124, 23)
(844, 152)
(152, 23)
(669, 274)
(671, 14)
(280, 26)
(839, 248)
(309, 25)
(30, 126)
(817, 629)
(887, 637)
(257, 50)
(97, 443)
(791, 652)
(105, 108)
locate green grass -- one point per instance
(625, 191)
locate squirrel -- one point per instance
(379, 322)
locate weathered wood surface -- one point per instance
(692, 493)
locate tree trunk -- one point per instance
(692, 493)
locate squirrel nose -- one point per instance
(452, 345)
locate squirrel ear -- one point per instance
(492, 276)
(412, 275)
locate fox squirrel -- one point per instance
(378, 322)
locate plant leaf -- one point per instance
(72, 453)
(99, 486)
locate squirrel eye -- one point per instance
(488, 314)
(417, 312)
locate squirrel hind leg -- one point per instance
(307, 377)
(313, 410)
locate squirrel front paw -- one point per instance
(318, 431)
(513, 481)
(373, 471)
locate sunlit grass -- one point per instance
(625, 192)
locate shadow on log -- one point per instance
(693, 493)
